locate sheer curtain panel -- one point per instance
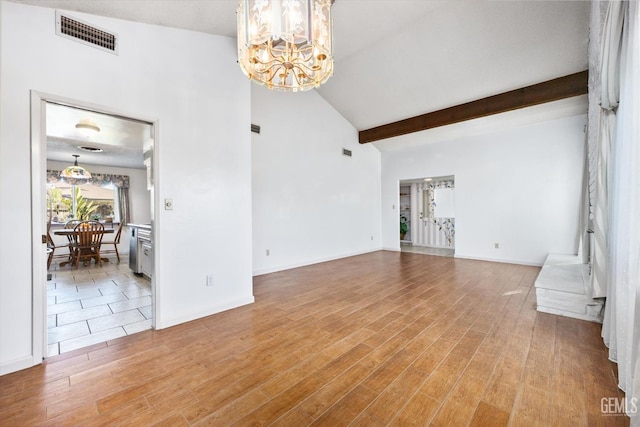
(618, 195)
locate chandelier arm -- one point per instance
(270, 63)
(275, 65)
(279, 60)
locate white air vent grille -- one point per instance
(87, 34)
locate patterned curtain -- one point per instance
(123, 202)
(436, 232)
(97, 179)
(441, 230)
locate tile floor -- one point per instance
(408, 247)
(94, 304)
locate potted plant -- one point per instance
(403, 227)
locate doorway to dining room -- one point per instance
(427, 218)
(89, 303)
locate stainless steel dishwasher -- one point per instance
(145, 252)
(133, 250)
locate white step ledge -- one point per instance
(562, 289)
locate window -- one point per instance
(108, 194)
(100, 202)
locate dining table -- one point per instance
(69, 232)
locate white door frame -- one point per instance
(38, 208)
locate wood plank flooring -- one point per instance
(385, 338)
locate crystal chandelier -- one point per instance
(286, 44)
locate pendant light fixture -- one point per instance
(74, 174)
(286, 45)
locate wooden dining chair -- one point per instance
(71, 223)
(87, 238)
(53, 247)
(115, 242)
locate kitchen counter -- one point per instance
(145, 226)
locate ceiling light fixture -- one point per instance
(286, 45)
(75, 174)
(87, 127)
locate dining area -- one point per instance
(81, 242)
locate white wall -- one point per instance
(310, 203)
(190, 83)
(519, 188)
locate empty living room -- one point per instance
(362, 213)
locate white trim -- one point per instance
(17, 365)
(391, 249)
(38, 249)
(38, 173)
(582, 316)
(156, 311)
(435, 246)
(262, 271)
(214, 310)
(504, 261)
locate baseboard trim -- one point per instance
(564, 313)
(17, 365)
(268, 270)
(213, 310)
(433, 246)
(503, 261)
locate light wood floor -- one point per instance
(384, 338)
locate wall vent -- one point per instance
(346, 152)
(255, 128)
(84, 33)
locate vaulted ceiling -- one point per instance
(396, 59)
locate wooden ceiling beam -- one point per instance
(552, 90)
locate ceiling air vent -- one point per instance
(82, 32)
(90, 149)
(255, 128)
(346, 152)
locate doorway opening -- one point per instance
(90, 301)
(427, 215)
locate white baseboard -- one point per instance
(17, 365)
(589, 317)
(268, 270)
(434, 246)
(228, 305)
(504, 261)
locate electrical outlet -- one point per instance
(496, 245)
(168, 204)
(209, 279)
(268, 252)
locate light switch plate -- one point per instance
(168, 204)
